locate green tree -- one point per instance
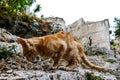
(18, 5)
(117, 27)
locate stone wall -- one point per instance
(92, 33)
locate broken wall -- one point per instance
(95, 34)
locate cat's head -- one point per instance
(23, 42)
(28, 52)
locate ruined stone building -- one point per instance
(95, 34)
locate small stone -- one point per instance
(9, 71)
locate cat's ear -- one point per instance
(22, 41)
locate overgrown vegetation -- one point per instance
(18, 5)
(113, 43)
(16, 9)
(7, 51)
(117, 27)
(91, 76)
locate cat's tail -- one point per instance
(87, 62)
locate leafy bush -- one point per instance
(117, 27)
(13, 7)
(17, 5)
(7, 52)
(91, 76)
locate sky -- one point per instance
(72, 10)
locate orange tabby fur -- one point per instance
(62, 45)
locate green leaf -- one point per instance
(37, 9)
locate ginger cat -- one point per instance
(62, 45)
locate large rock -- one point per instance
(98, 51)
(6, 21)
(28, 29)
(56, 23)
(25, 30)
(41, 75)
(6, 36)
